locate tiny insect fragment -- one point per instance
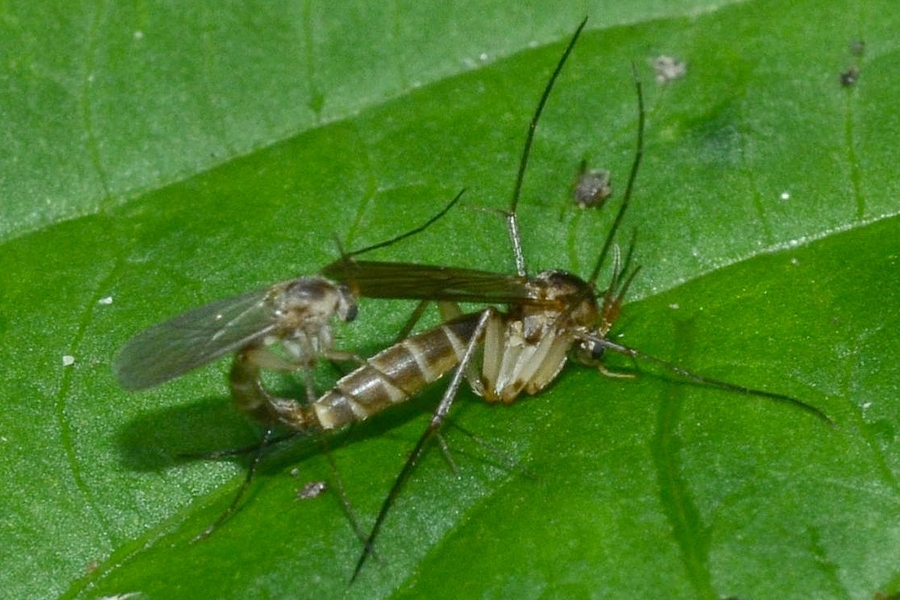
(668, 68)
(850, 76)
(592, 188)
(311, 490)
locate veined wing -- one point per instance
(375, 279)
(192, 339)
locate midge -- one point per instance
(295, 315)
(286, 328)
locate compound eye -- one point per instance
(584, 353)
(589, 352)
(351, 311)
(597, 350)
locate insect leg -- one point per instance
(632, 176)
(251, 471)
(512, 221)
(341, 489)
(254, 400)
(449, 311)
(412, 320)
(349, 255)
(434, 425)
(474, 371)
(717, 383)
(501, 460)
(445, 450)
(241, 451)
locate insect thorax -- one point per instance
(309, 302)
(563, 297)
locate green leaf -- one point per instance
(165, 157)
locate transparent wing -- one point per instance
(374, 279)
(194, 338)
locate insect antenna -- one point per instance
(512, 221)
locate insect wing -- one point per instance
(375, 279)
(194, 338)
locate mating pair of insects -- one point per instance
(517, 345)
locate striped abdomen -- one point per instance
(393, 375)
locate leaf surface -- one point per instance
(164, 158)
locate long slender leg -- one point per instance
(412, 320)
(512, 221)
(501, 459)
(340, 488)
(434, 425)
(403, 236)
(449, 311)
(254, 399)
(278, 403)
(251, 471)
(445, 450)
(241, 451)
(629, 187)
(717, 383)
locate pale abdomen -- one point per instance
(394, 375)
